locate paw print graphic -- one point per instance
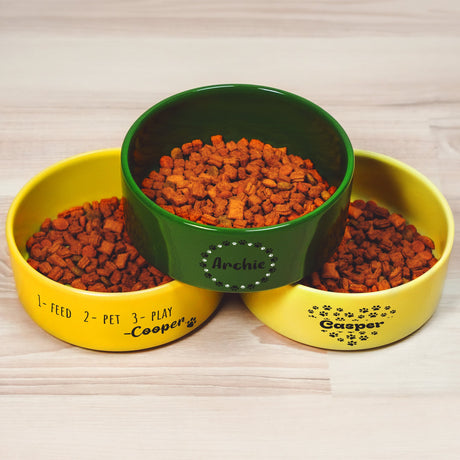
(363, 337)
(351, 336)
(333, 334)
(376, 307)
(327, 307)
(349, 314)
(323, 313)
(191, 322)
(372, 315)
(364, 310)
(352, 343)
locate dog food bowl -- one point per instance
(230, 259)
(357, 321)
(100, 321)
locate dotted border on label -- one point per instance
(213, 247)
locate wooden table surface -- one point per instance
(75, 75)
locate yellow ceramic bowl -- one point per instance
(351, 321)
(100, 321)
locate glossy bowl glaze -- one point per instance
(229, 259)
(100, 321)
(357, 321)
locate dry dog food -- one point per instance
(87, 247)
(379, 250)
(236, 184)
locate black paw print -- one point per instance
(349, 314)
(241, 242)
(323, 313)
(363, 337)
(376, 307)
(372, 315)
(364, 310)
(191, 322)
(333, 334)
(352, 343)
(327, 307)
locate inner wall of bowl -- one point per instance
(402, 190)
(86, 177)
(235, 111)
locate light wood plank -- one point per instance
(75, 75)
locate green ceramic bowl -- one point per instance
(228, 259)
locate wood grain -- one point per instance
(75, 75)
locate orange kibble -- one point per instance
(378, 251)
